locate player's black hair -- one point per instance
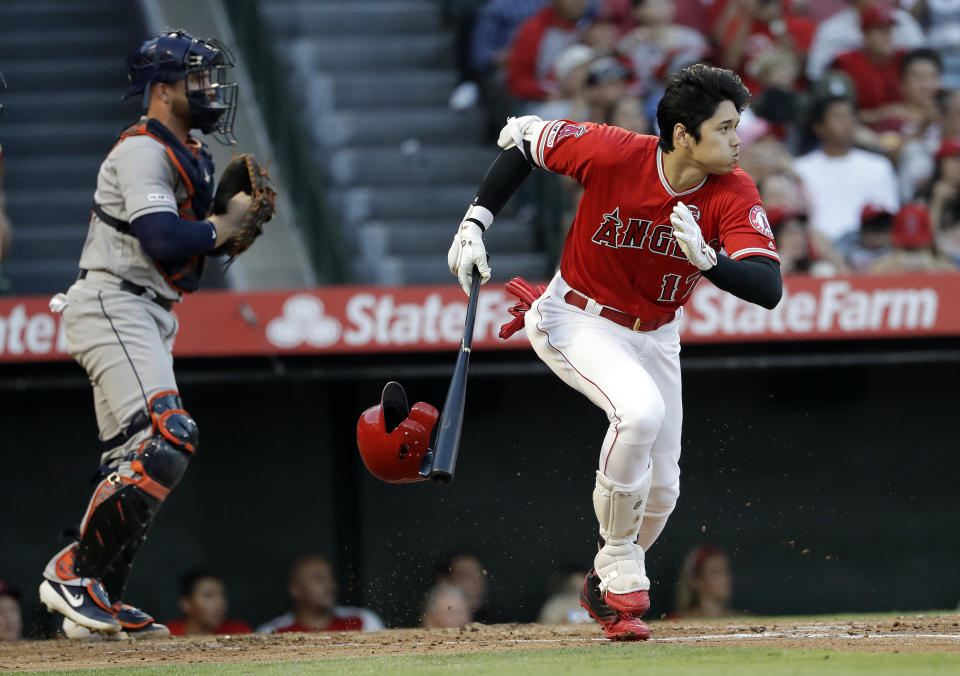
(693, 95)
(920, 54)
(818, 111)
(190, 580)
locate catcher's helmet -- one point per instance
(175, 56)
(393, 437)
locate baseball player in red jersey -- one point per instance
(653, 217)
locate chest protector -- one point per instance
(195, 166)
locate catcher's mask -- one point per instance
(393, 437)
(203, 63)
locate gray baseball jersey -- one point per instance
(137, 178)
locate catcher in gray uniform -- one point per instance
(150, 230)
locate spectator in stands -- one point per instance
(874, 67)
(694, 14)
(945, 199)
(746, 29)
(917, 161)
(762, 152)
(802, 250)
(563, 598)
(11, 623)
(602, 36)
(783, 190)
(627, 113)
(493, 33)
(941, 19)
(874, 240)
(313, 591)
(538, 42)
(917, 115)
(840, 179)
(570, 71)
(606, 83)
(446, 605)
(705, 585)
(656, 35)
(841, 33)
(914, 248)
(463, 569)
(950, 114)
(203, 600)
(779, 100)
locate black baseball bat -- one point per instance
(451, 419)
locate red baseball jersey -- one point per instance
(620, 250)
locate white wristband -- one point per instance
(481, 215)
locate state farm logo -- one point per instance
(303, 321)
(836, 307)
(28, 330)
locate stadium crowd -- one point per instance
(853, 136)
(457, 596)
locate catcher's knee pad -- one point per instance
(125, 502)
(162, 459)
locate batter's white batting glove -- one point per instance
(518, 129)
(688, 236)
(466, 251)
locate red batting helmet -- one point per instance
(393, 437)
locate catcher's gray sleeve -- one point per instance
(145, 177)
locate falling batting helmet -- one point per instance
(177, 55)
(393, 438)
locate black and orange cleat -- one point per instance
(138, 624)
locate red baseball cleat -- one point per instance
(618, 626)
(635, 603)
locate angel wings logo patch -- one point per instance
(562, 129)
(759, 221)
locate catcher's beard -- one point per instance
(180, 109)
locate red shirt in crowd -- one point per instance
(620, 250)
(178, 627)
(538, 42)
(344, 618)
(877, 84)
(761, 38)
(338, 624)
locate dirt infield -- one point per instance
(906, 634)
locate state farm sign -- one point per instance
(28, 331)
(383, 319)
(339, 320)
(833, 308)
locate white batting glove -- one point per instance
(688, 236)
(517, 129)
(466, 251)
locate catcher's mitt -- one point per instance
(245, 174)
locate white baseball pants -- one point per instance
(635, 378)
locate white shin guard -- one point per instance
(619, 509)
